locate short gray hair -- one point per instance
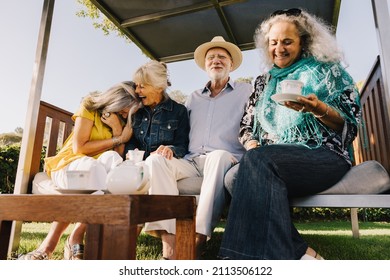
(153, 73)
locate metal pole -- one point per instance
(30, 127)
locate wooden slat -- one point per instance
(53, 137)
(172, 206)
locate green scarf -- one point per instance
(327, 80)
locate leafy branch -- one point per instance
(99, 20)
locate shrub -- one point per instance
(340, 214)
(9, 157)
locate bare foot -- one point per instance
(169, 243)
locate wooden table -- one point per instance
(112, 219)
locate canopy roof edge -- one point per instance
(170, 31)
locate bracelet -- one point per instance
(324, 114)
(116, 141)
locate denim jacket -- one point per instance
(167, 125)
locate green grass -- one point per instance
(333, 240)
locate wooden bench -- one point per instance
(106, 215)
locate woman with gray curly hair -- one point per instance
(297, 140)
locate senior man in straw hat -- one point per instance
(215, 112)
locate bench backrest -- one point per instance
(53, 127)
(373, 141)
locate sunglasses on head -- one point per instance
(289, 12)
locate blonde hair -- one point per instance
(153, 73)
(115, 99)
(317, 38)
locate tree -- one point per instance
(19, 131)
(99, 20)
(178, 96)
(10, 138)
(244, 80)
(360, 84)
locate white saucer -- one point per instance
(283, 97)
(73, 191)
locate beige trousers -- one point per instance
(212, 166)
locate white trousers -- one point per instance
(164, 175)
(98, 170)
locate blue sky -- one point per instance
(81, 59)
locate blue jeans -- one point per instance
(259, 225)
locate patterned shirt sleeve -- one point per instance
(248, 119)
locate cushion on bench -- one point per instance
(42, 184)
(369, 177)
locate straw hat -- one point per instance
(218, 42)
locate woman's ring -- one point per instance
(107, 114)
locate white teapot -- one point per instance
(128, 178)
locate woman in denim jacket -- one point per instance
(161, 128)
(162, 125)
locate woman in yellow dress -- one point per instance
(102, 126)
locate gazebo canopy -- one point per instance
(169, 30)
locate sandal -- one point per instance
(74, 252)
(34, 256)
(307, 257)
(319, 257)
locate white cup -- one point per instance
(291, 86)
(135, 156)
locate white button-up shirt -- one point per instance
(215, 121)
